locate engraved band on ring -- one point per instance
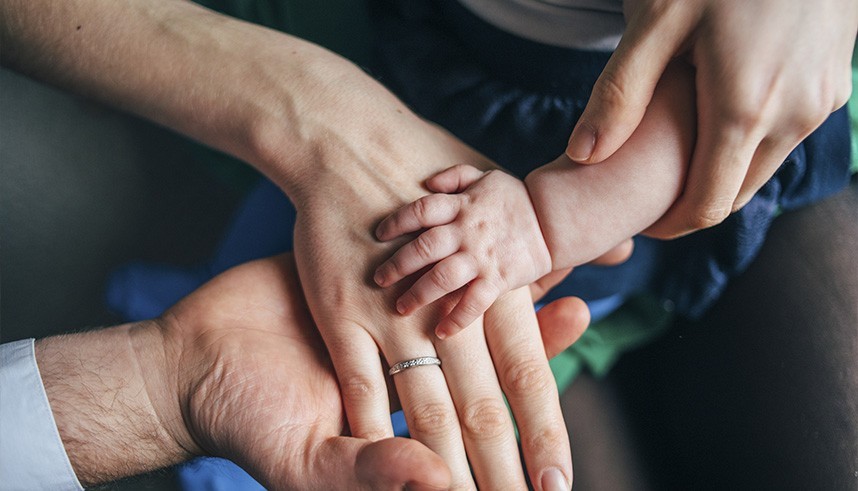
(414, 362)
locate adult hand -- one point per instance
(456, 409)
(769, 72)
(238, 370)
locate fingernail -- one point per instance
(400, 307)
(441, 333)
(581, 145)
(378, 278)
(554, 480)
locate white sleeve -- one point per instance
(32, 456)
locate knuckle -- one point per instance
(610, 90)
(431, 419)
(470, 309)
(710, 214)
(527, 376)
(743, 112)
(423, 245)
(484, 419)
(442, 278)
(421, 207)
(544, 442)
(359, 387)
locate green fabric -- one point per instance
(853, 111)
(638, 322)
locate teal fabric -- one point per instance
(853, 111)
(640, 321)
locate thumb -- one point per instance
(389, 464)
(561, 323)
(623, 90)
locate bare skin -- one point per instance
(347, 153)
(237, 370)
(487, 233)
(767, 74)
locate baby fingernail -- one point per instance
(442, 334)
(400, 307)
(378, 277)
(554, 480)
(581, 145)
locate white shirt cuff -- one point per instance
(32, 455)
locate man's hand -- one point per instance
(237, 370)
(768, 73)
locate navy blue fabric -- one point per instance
(517, 101)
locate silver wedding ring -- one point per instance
(414, 362)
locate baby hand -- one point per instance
(485, 238)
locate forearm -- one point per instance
(255, 93)
(585, 210)
(107, 393)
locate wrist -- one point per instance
(156, 354)
(536, 185)
(100, 392)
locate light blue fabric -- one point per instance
(32, 455)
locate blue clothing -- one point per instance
(32, 456)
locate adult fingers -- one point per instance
(454, 180)
(429, 411)
(561, 323)
(429, 211)
(484, 419)
(428, 248)
(478, 297)
(767, 160)
(446, 277)
(362, 384)
(718, 168)
(388, 464)
(513, 338)
(625, 87)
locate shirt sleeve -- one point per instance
(32, 456)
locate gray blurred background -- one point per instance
(83, 190)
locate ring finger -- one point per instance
(430, 413)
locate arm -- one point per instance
(586, 210)
(266, 97)
(496, 233)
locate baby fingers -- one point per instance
(446, 277)
(430, 247)
(429, 211)
(455, 179)
(481, 294)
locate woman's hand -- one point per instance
(769, 72)
(456, 409)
